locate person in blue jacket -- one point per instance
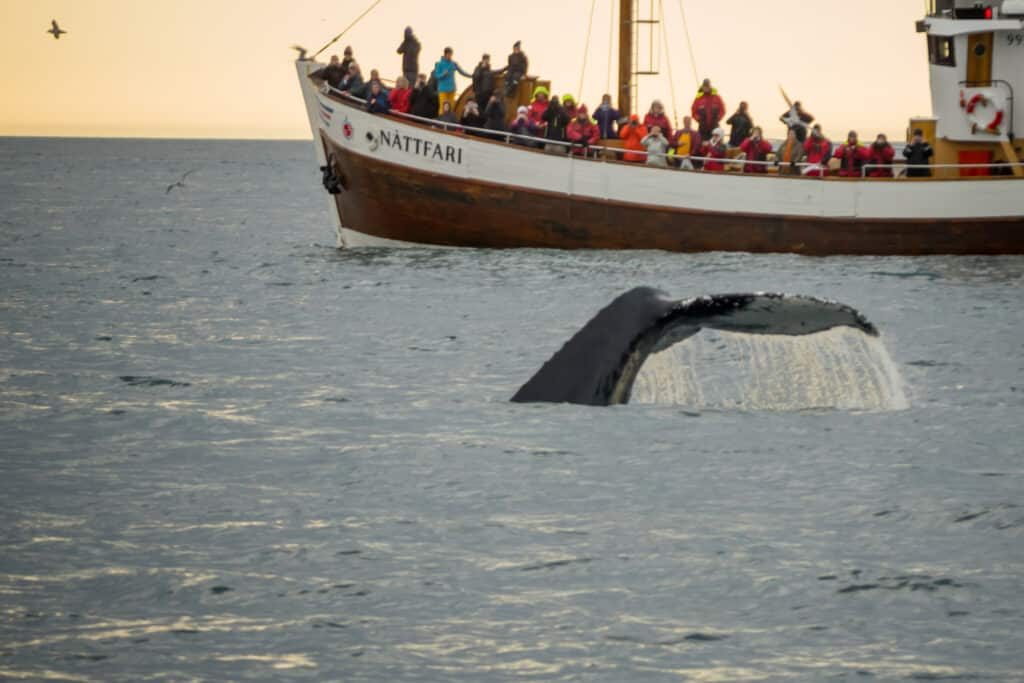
(607, 118)
(444, 73)
(377, 101)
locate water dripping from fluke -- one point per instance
(751, 352)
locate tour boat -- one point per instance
(402, 181)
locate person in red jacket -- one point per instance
(819, 151)
(582, 132)
(852, 156)
(881, 153)
(399, 97)
(539, 105)
(708, 109)
(633, 133)
(714, 149)
(656, 117)
(757, 149)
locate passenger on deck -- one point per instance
(757, 149)
(471, 117)
(377, 101)
(447, 116)
(494, 114)
(797, 119)
(518, 66)
(715, 149)
(819, 151)
(569, 105)
(353, 81)
(556, 121)
(444, 72)
(523, 127)
(539, 105)
(348, 61)
(852, 156)
(656, 117)
(687, 144)
(790, 154)
(363, 91)
(656, 145)
(918, 154)
(423, 100)
(410, 51)
(708, 109)
(582, 132)
(881, 154)
(633, 134)
(399, 97)
(607, 118)
(741, 125)
(332, 73)
(483, 80)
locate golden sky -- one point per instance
(223, 68)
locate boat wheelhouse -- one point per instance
(400, 180)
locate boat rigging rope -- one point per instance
(347, 29)
(586, 50)
(668, 60)
(689, 44)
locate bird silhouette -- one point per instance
(56, 30)
(302, 52)
(180, 183)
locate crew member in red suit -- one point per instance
(656, 117)
(882, 154)
(582, 132)
(708, 109)
(714, 149)
(852, 156)
(633, 132)
(757, 149)
(819, 151)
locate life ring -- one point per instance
(977, 109)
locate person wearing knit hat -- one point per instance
(523, 128)
(582, 132)
(518, 65)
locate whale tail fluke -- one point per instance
(599, 364)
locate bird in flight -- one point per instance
(56, 30)
(181, 182)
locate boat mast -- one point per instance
(625, 57)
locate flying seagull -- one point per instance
(302, 52)
(180, 183)
(56, 30)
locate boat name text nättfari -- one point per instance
(417, 146)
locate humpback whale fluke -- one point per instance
(599, 364)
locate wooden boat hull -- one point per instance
(396, 203)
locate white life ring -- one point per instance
(985, 110)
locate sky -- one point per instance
(223, 68)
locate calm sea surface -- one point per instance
(230, 451)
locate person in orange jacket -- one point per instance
(757, 149)
(633, 132)
(852, 156)
(882, 154)
(582, 132)
(708, 109)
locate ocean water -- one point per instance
(229, 451)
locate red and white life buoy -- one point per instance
(985, 111)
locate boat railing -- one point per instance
(603, 153)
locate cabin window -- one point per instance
(940, 51)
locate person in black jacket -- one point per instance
(423, 100)
(741, 124)
(518, 65)
(494, 115)
(556, 121)
(332, 73)
(483, 80)
(918, 154)
(348, 61)
(410, 51)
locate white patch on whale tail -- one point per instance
(839, 369)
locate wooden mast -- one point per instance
(625, 57)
